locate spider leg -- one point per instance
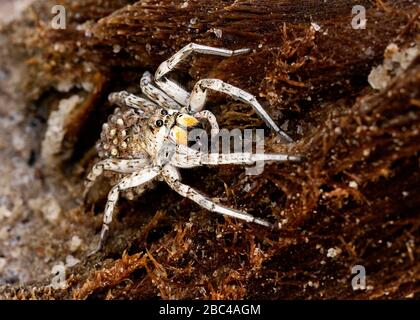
(169, 64)
(192, 159)
(173, 89)
(210, 117)
(116, 165)
(155, 94)
(133, 180)
(172, 178)
(125, 99)
(199, 93)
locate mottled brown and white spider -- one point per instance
(146, 139)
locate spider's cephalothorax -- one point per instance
(146, 138)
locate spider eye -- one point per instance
(164, 112)
(159, 123)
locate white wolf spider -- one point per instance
(146, 140)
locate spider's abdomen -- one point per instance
(120, 136)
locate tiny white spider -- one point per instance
(145, 140)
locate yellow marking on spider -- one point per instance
(180, 135)
(186, 121)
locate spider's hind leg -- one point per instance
(125, 99)
(131, 181)
(116, 165)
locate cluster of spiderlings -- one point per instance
(118, 136)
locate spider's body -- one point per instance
(120, 136)
(146, 138)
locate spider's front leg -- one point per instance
(199, 94)
(133, 180)
(172, 178)
(210, 117)
(191, 158)
(170, 87)
(155, 94)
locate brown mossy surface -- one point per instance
(354, 200)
